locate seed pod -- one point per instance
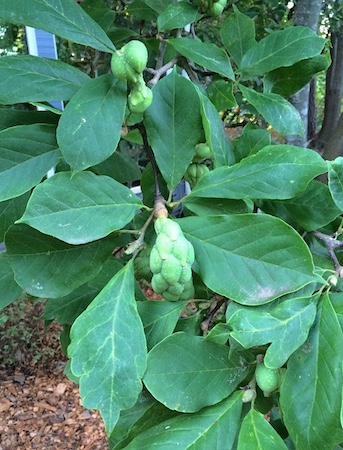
(163, 245)
(136, 55)
(159, 284)
(202, 170)
(171, 269)
(268, 380)
(140, 98)
(202, 152)
(155, 261)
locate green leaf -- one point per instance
(64, 18)
(140, 10)
(251, 141)
(215, 206)
(281, 48)
(219, 334)
(48, 268)
(157, 5)
(48, 79)
(119, 166)
(80, 209)
(237, 33)
(67, 309)
(108, 349)
(276, 110)
(250, 258)
(173, 125)
(10, 211)
(260, 175)
(204, 54)
(159, 319)
(286, 81)
(182, 363)
(299, 211)
(89, 128)
(111, 266)
(27, 153)
(10, 290)
(256, 433)
(98, 11)
(145, 414)
(286, 327)
(213, 427)
(12, 117)
(215, 134)
(177, 15)
(220, 92)
(310, 393)
(335, 176)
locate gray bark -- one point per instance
(306, 14)
(334, 146)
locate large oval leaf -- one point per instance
(64, 18)
(46, 267)
(108, 349)
(27, 153)
(173, 125)
(181, 363)
(89, 128)
(10, 290)
(251, 258)
(48, 79)
(80, 209)
(275, 172)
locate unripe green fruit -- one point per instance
(202, 170)
(176, 289)
(163, 245)
(169, 228)
(181, 250)
(188, 291)
(268, 380)
(140, 98)
(192, 170)
(186, 274)
(171, 269)
(122, 70)
(136, 55)
(155, 261)
(170, 297)
(202, 152)
(216, 10)
(141, 265)
(159, 284)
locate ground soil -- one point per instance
(39, 407)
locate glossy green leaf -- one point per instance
(219, 333)
(286, 81)
(12, 117)
(335, 176)
(205, 54)
(48, 268)
(27, 153)
(80, 209)
(119, 166)
(260, 175)
(256, 433)
(64, 18)
(286, 327)
(111, 266)
(310, 393)
(48, 79)
(141, 10)
(108, 349)
(159, 319)
(99, 12)
(89, 128)
(282, 48)
(235, 258)
(66, 309)
(220, 92)
(177, 15)
(145, 414)
(216, 136)
(173, 125)
(211, 428)
(215, 206)
(237, 34)
(10, 211)
(187, 373)
(299, 211)
(276, 110)
(9, 289)
(157, 5)
(251, 141)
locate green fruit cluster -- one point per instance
(195, 172)
(212, 7)
(141, 265)
(171, 260)
(202, 152)
(268, 380)
(127, 64)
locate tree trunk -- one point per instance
(334, 146)
(333, 94)
(306, 14)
